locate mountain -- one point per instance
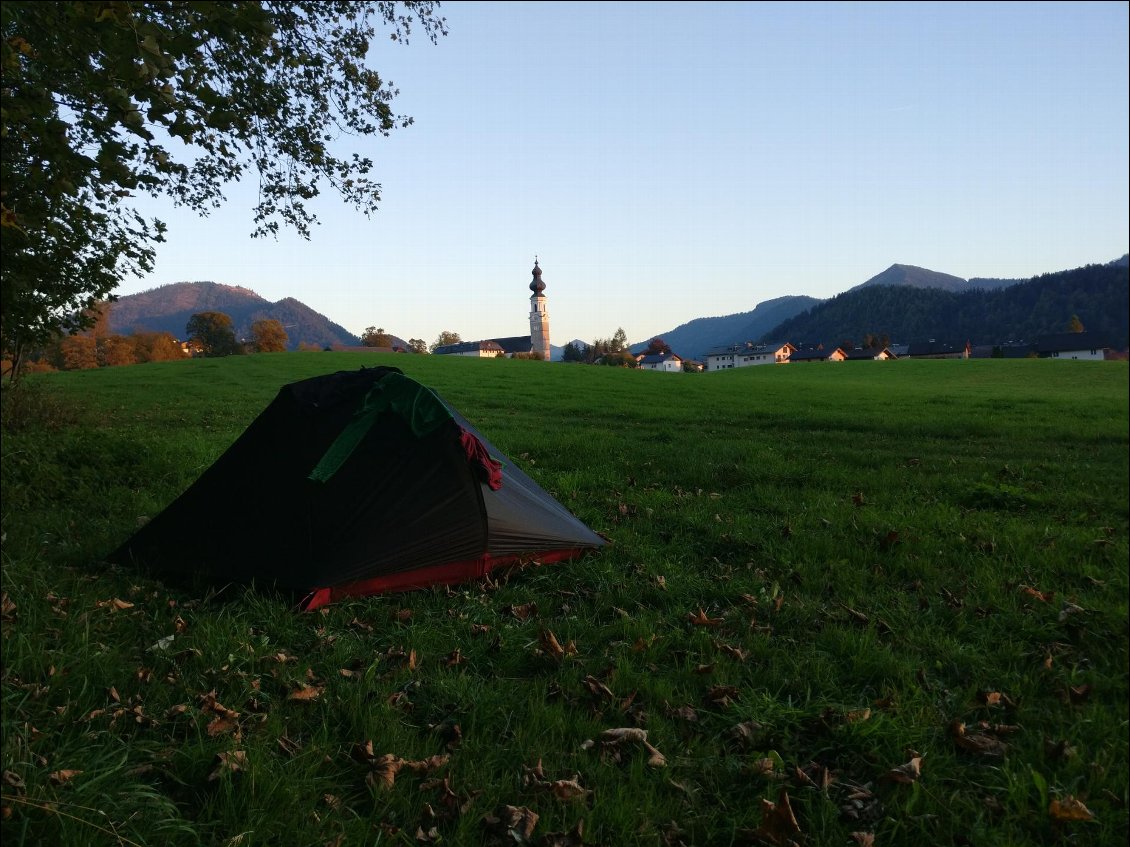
(915, 277)
(1099, 295)
(693, 340)
(168, 308)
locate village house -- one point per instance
(666, 362)
(868, 354)
(1086, 346)
(818, 354)
(744, 355)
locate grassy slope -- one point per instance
(864, 535)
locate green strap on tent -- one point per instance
(421, 409)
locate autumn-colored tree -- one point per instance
(77, 353)
(156, 347)
(1075, 325)
(309, 347)
(213, 332)
(268, 336)
(417, 345)
(116, 350)
(444, 338)
(375, 336)
(657, 347)
(103, 102)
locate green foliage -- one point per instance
(417, 345)
(213, 333)
(869, 572)
(104, 100)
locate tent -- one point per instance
(357, 483)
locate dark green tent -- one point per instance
(356, 483)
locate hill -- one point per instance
(694, 339)
(1097, 294)
(168, 308)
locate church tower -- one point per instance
(539, 317)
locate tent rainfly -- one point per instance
(357, 483)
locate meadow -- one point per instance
(844, 604)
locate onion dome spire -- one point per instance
(537, 286)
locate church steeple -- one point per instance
(539, 316)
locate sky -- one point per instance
(670, 161)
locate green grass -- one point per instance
(867, 537)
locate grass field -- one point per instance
(848, 604)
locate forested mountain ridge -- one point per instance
(1099, 295)
(168, 308)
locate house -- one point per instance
(938, 350)
(818, 354)
(474, 349)
(1089, 346)
(874, 354)
(744, 355)
(666, 362)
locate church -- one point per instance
(536, 342)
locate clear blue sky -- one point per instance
(669, 161)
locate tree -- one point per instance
(573, 353)
(417, 345)
(656, 347)
(268, 336)
(444, 338)
(619, 341)
(156, 347)
(116, 350)
(1075, 325)
(213, 332)
(78, 353)
(375, 336)
(104, 100)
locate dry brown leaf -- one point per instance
(306, 693)
(220, 725)
(1069, 809)
(977, 743)
(1043, 596)
(568, 789)
(700, 618)
(552, 647)
(863, 839)
(518, 822)
(524, 611)
(403, 615)
(858, 715)
(778, 823)
(63, 776)
(232, 762)
(907, 773)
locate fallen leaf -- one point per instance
(863, 839)
(63, 776)
(552, 647)
(977, 743)
(778, 823)
(232, 762)
(306, 693)
(907, 773)
(1069, 809)
(700, 618)
(518, 822)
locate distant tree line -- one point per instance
(612, 351)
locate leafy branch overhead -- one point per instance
(103, 100)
